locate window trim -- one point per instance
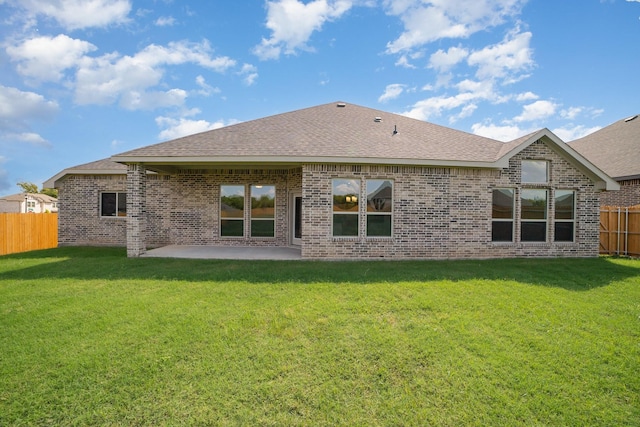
(244, 213)
(118, 195)
(572, 220)
(522, 174)
(357, 213)
(388, 214)
(251, 218)
(544, 220)
(512, 220)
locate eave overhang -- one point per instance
(174, 162)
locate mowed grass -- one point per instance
(89, 337)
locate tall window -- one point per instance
(502, 215)
(535, 171)
(113, 204)
(232, 210)
(565, 217)
(346, 199)
(379, 207)
(533, 224)
(263, 203)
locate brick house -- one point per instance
(616, 150)
(28, 203)
(341, 181)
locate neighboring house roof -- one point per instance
(99, 167)
(615, 148)
(43, 198)
(339, 133)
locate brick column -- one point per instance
(136, 210)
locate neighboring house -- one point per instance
(341, 182)
(28, 203)
(616, 150)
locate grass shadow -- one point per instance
(98, 263)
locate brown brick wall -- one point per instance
(444, 212)
(628, 195)
(438, 212)
(79, 218)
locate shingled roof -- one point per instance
(615, 149)
(336, 132)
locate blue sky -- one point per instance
(81, 80)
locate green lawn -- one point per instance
(89, 337)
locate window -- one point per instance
(113, 204)
(263, 202)
(533, 225)
(346, 198)
(565, 216)
(502, 215)
(232, 210)
(535, 172)
(379, 207)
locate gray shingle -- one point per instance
(331, 131)
(615, 149)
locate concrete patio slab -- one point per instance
(225, 252)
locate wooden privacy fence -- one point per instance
(620, 230)
(21, 232)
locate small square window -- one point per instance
(535, 171)
(113, 204)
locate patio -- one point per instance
(226, 252)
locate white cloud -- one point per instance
(128, 79)
(392, 91)
(571, 113)
(470, 93)
(430, 107)
(428, 21)
(250, 73)
(46, 58)
(569, 133)
(175, 128)
(4, 176)
(504, 60)
(501, 133)
(79, 14)
(292, 23)
(28, 138)
(527, 96)
(18, 107)
(537, 111)
(165, 21)
(149, 100)
(403, 61)
(444, 61)
(205, 88)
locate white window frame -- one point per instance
(367, 213)
(544, 220)
(251, 218)
(512, 220)
(358, 195)
(572, 220)
(244, 212)
(531, 164)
